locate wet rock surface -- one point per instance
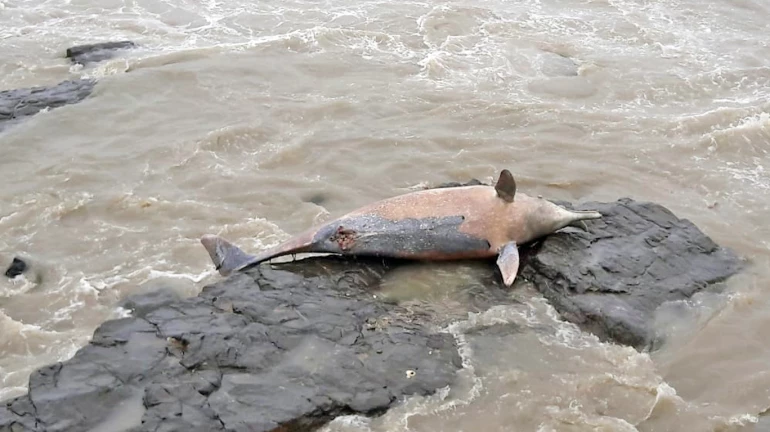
(17, 267)
(610, 278)
(20, 103)
(94, 53)
(290, 346)
(611, 274)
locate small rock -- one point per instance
(17, 267)
(92, 53)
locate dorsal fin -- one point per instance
(506, 186)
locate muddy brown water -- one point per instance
(255, 120)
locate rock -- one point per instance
(92, 53)
(289, 346)
(610, 279)
(19, 103)
(17, 267)
(15, 104)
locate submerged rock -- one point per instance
(290, 346)
(555, 65)
(92, 53)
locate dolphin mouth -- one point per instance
(579, 224)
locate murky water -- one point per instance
(237, 117)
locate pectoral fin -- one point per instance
(508, 262)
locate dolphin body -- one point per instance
(466, 222)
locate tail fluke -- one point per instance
(226, 256)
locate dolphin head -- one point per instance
(538, 216)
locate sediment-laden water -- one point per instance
(255, 120)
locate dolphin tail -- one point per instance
(226, 256)
(229, 258)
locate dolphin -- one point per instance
(464, 222)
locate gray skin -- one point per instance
(467, 222)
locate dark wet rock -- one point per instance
(17, 267)
(19, 103)
(92, 53)
(290, 346)
(611, 278)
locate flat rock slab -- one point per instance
(610, 279)
(289, 346)
(20, 103)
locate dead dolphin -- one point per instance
(464, 222)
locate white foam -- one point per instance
(487, 54)
(157, 274)
(348, 423)
(16, 286)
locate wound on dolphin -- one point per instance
(464, 222)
